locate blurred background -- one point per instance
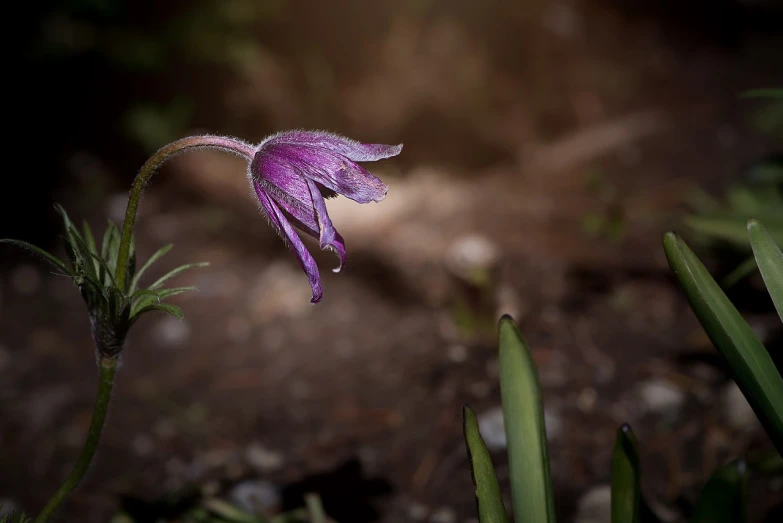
(548, 145)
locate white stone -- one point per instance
(417, 511)
(492, 428)
(470, 253)
(7, 507)
(458, 353)
(263, 459)
(595, 505)
(661, 397)
(739, 413)
(256, 497)
(444, 515)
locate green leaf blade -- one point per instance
(770, 262)
(488, 497)
(152, 259)
(723, 498)
(163, 307)
(315, 509)
(523, 412)
(626, 478)
(54, 260)
(175, 272)
(752, 367)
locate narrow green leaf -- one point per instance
(740, 272)
(723, 498)
(84, 256)
(626, 478)
(731, 227)
(176, 271)
(770, 261)
(107, 240)
(523, 412)
(488, 497)
(66, 220)
(143, 297)
(112, 251)
(95, 263)
(89, 239)
(164, 307)
(315, 509)
(173, 291)
(152, 259)
(54, 260)
(751, 364)
(769, 93)
(228, 512)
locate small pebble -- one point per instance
(595, 505)
(418, 512)
(256, 497)
(458, 353)
(444, 515)
(262, 459)
(7, 507)
(661, 397)
(738, 411)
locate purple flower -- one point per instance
(293, 173)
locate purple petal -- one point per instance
(351, 149)
(328, 168)
(306, 223)
(283, 227)
(300, 199)
(325, 226)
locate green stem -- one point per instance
(230, 145)
(107, 366)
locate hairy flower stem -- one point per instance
(107, 366)
(229, 145)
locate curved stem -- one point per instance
(107, 366)
(229, 145)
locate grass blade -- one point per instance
(740, 272)
(751, 364)
(89, 239)
(315, 508)
(770, 262)
(488, 497)
(152, 259)
(769, 93)
(176, 271)
(626, 478)
(164, 307)
(54, 260)
(523, 412)
(723, 498)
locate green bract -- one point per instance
(93, 268)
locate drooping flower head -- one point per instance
(294, 172)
